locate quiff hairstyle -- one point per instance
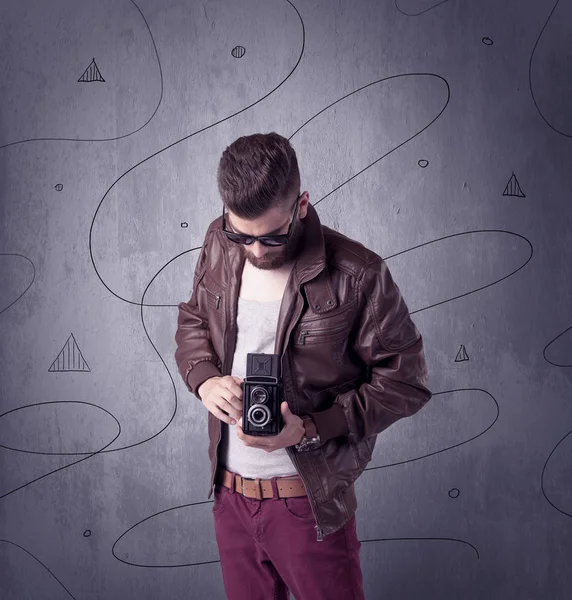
(256, 173)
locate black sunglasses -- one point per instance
(266, 240)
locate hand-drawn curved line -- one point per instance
(396, 147)
(89, 454)
(542, 477)
(121, 136)
(77, 359)
(41, 563)
(419, 13)
(476, 289)
(402, 462)
(423, 538)
(208, 562)
(103, 450)
(568, 135)
(551, 342)
(174, 144)
(30, 284)
(486, 43)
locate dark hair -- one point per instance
(258, 172)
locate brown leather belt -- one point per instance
(288, 487)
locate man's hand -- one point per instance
(292, 433)
(222, 396)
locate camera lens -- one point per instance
(259, 395)
(259, 415)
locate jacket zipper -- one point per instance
(317, 332)
(217, 298)
(320, 532)
(294, 458)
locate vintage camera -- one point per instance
(262, 390)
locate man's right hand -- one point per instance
(223, 397)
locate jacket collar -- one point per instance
(309, 269)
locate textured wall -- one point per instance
(438, 134)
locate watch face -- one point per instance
(307, 444)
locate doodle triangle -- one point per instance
(91, 73)
(70, 358)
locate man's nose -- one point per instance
(258, 249)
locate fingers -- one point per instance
(219, 414)
(233, 407)
(226, 400)
(233, 396)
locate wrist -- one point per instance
(204, 388)
(310, 428)
(310, 439)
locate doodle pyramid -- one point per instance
(513, 188)
(70, 358)
(91, 73)
(461, 354)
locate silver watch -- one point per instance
(308, 443)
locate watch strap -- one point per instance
(310, 427)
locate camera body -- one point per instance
(262, 392)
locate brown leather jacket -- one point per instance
(352, 358)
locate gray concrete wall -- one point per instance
(438, 134)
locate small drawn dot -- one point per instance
(87, 533)
(184, 224)
(487, 41)
(454, 493)
(238, 51)
(422, 163)
(59, 187)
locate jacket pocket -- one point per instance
(325, 329)
(214, 299)
(340, 458)
(213, 291)
(318, 335)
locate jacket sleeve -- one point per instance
(195, 357)
(389, 344)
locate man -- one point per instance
(271, 279)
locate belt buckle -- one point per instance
(242, 483)
(258, 491)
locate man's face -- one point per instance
(270, 257)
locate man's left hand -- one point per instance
(292, 433)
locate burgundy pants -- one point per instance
(268, 547)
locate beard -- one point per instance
(278, 256)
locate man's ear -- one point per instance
(303, 210)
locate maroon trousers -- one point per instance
(268, 547)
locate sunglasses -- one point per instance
(266, 240)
